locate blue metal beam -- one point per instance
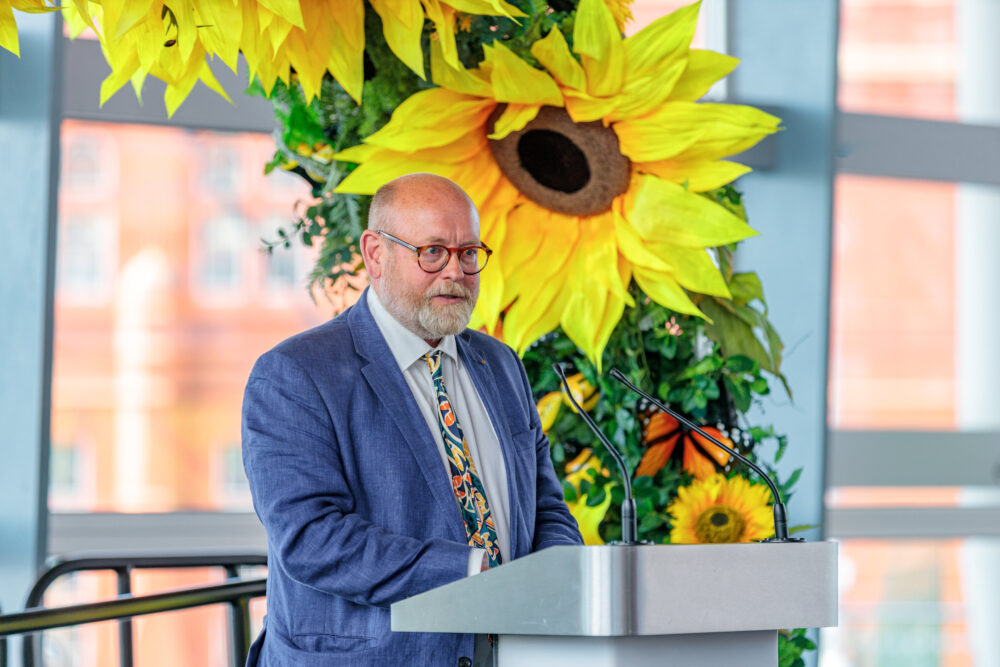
(29, 139)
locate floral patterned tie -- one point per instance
(480, 528)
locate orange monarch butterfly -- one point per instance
(666, 438)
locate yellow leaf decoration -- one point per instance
(587, 518)
(8, 24)
(586, 170)
(173, 41)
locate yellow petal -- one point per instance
(597, 40)
(633, 247)
(644, 92)
(693, 268)
(487, 7)
(433, 117)
(302, 51)
(600, 251)
(490, 292)
(704, 68)
(514, 118)
(443, 17)
(664, 290)
(372, 175)
(642, 141)
(76, 16)
(346, 61)
(666, 212)
(548, 409)
(514, 80)
(599, 295)
(120, 74)
(697, 175)
(583, 108)
(8, 30)
(665, 39)
(456, 77)
(656, 57)
(538, 310)
(589, 518)
(288, 10)
(719, 130)
(222, 23)
(402, 23)
(553, 53)
(208, 78)
(606, 323)
(358, 154)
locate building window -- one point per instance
(220, 246)
(86, 258)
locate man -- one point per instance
(392, 450)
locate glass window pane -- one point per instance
(931, 59)
(912, 603)
(913, 306)
(892, 361)
(898, 57)
(164, 302)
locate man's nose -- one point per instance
(452, 269)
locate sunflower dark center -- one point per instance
(553, 160)
(719, 524)
(567, 167)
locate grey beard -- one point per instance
(427, 322)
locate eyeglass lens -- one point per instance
(434, 258)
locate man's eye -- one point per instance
(434, 251)
(470, 253)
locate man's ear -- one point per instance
(373, 252)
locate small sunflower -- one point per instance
(719, 510)
(586, 173)
(172, 40)
(587, 518)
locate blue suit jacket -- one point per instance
(358, 508)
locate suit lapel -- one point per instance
(389, 386)
(486, 384)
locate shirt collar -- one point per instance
(406, 346)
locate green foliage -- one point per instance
(791, 645)
(673, 357)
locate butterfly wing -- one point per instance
(661, 434)
(703, 458)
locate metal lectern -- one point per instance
(689, 605)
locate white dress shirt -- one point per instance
(408, 349)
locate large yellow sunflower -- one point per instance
(171, 40)
(586, 173)
(719, 510)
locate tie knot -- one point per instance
(433, 360)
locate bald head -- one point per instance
(387, 210)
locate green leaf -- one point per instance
(569, 493)
(745, 287)
(596, 497)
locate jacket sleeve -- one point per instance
(553, 522)
(291, 457)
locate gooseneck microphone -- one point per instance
(629, 524)
(780, 517)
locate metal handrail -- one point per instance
(49, 618)
(236, 592)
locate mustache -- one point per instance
(453, 289)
